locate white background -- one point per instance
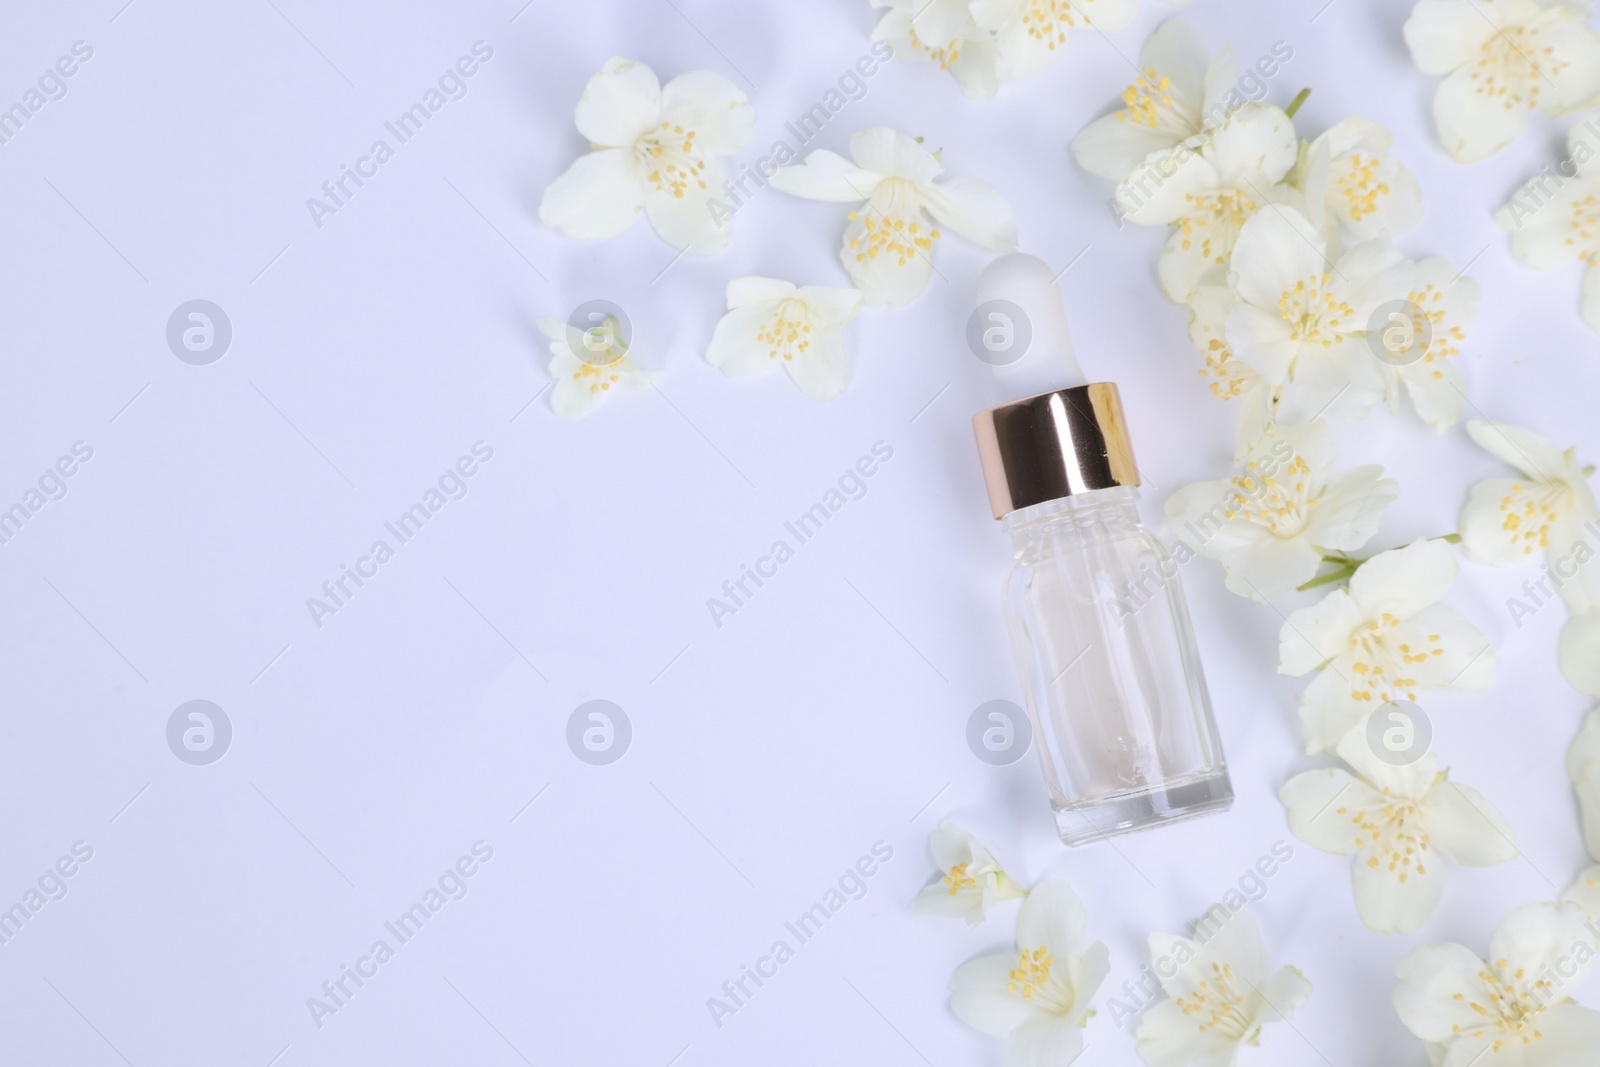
(828, 714)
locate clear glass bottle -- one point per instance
(1110, 673)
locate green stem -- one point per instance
(1346, 565)
(1327, 579)
(1295, 105)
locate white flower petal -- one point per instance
(1307, 318)
(1371, 274)
(1437, 392)
(1218, 521)
(1342, 382)
(1466, 828)
(1187, 265)
(1583, 757)
(1262, 341)
(1199, 516)
(1371, 192)
(1257, 146)
(1583, 142)
(735, 349)
(1229, 378)
(1160, 190)
(621, 101)
(826, 175)
(1277, 247)
(1325, 807)
(1168, 1036)
(1588, 790)
(1258, 409)
(980, 998)
(1180, 956)
(951, 844)
(1490, 532)
(1046, 1041)
(1221, 78)
(1571, 1034)
(1520, 54)
(1310, 442)
(1574, 75)
(1535, 938)
(1585, 892)
(598, 196)
(1403, 581)
(1223, 992)
(713, 107)
(1446, 34)
(1285, 993)
(1236, 943)
(685, 217)
(1392, 895)
(1571, 555)
(974, 209)
(1437, 988)
(1328, 709)
(1447, 650)
(942, 32)
(1579, 653)
(1474, 1012)
(887, 278)
(1053, 916)
(1525, 450)
(1449, 297)
(1176, 50)
(936, 899)
(1088, 971)
(940, 20)
(977, 69)
(553, 328)
(1351, 508)
(990, 996)
(1543, 220)
(1273, 569)
(756, 291)
(1168, 105)
(830, 307)
(1474, 125)
(1112, 147)
(1313, 635)
(889, 152)
(1413, 780)
(771, 322)
(936, 20)
(1108, 16)
(823, 374)
(581, 386)
(1031, 37)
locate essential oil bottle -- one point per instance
(1110, 673)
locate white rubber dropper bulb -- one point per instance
(1048, 361)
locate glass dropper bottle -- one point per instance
(1110, 673)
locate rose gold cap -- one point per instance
(1054, 445)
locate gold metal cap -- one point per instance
(1054, 445)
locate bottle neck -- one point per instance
(1117, 506)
